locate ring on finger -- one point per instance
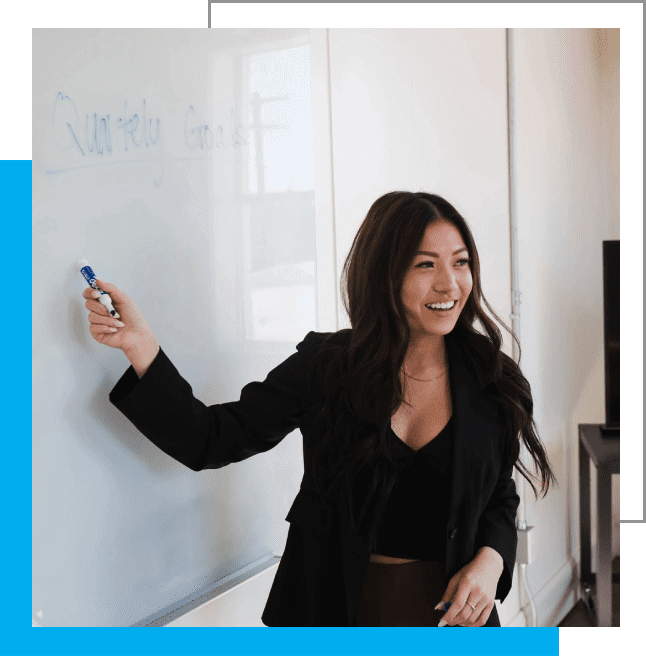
(471, 606)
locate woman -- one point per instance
(411, 426)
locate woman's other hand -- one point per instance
(476, 584)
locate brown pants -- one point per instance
(401, 595)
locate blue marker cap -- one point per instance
(88, 274)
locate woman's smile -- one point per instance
(448, 312)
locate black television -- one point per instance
(611, 336)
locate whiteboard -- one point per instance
(179, 164)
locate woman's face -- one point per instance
(441, 274)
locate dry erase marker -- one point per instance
(88, 274)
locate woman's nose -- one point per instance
(447, 284)
(446, 281)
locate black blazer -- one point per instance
(320, 574)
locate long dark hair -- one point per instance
(358, 369)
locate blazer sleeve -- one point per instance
(163, 408)
(497, 525)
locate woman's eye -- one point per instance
(465, 260)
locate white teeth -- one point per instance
(441, 306)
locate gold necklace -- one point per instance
(425, 381)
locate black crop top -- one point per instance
(416, 515)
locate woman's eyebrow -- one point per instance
(436, 255)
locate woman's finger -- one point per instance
(115, 293)
(92, 303)
(484, 616)
(462, 617)
(459, 598)
(480, 620)
(89, 291)
(101, 329)
(96, 307)
(106, 320)
(461, 612)
(451, 615)
(473, 614)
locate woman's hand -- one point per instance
(134, 330)
(475, 583)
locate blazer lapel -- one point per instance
(474, 416)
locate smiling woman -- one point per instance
(393, 371)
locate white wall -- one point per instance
(423, 110)
(568, 196)
(427, 110)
